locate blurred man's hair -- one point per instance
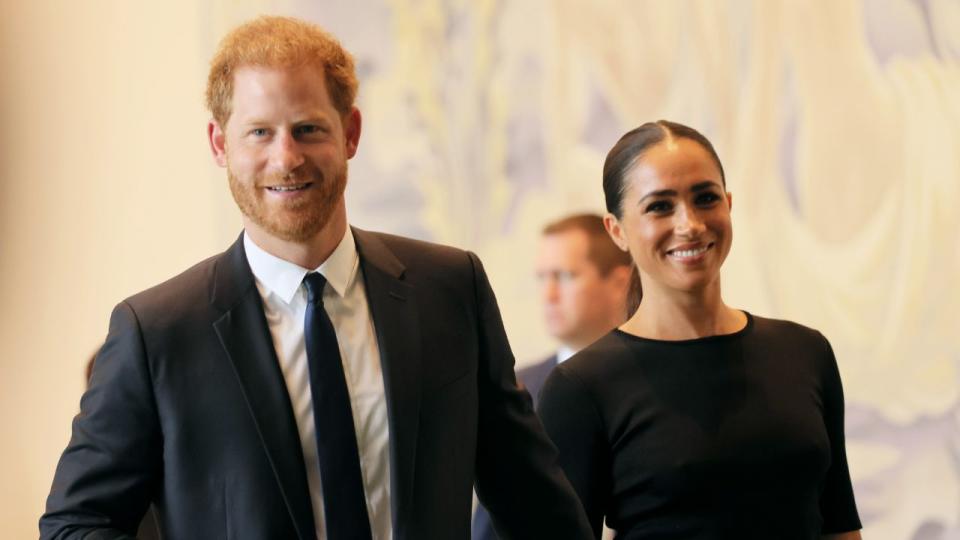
(601, 250)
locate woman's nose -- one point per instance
(689, 222)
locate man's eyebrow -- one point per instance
(253, 121)
(305, 119)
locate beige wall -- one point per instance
(105, 188)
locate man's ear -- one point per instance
(217, 140)
(352, 123)
(612, 225)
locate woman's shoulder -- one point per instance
(766, 328)
(585, 383)
(791, 341)
(600, 360)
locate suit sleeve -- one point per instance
(837, 505)
(518, 478)
(574, 423)
(107, 474)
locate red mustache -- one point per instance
(294, 178)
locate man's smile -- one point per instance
(289, 187)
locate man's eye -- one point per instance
(307, 129)
(258, 132)
(658, 207)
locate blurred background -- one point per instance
(838, 123)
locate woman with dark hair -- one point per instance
(695, 420)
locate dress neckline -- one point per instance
(747, 328)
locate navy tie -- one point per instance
(344, 503)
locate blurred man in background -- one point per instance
(588, 287)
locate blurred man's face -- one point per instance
(579, 304)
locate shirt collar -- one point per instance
(564, 353)
(283, 278)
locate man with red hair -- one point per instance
(315, 380)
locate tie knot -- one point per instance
(314, 282)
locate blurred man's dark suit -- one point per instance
(188, 409)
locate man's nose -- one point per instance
(286, 155)
(549, 289)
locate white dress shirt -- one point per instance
(345, 300)
(564, 353)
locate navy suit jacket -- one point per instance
(187, 410)
(532, 378)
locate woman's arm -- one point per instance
(574, 423)
(837, 505)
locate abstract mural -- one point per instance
(839, 126)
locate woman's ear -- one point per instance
(612, 224)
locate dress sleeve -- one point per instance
(837, 505)
(574, 423)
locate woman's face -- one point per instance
(675, 216)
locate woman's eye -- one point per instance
(706, 199)
(658, 207)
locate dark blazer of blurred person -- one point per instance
(587, 287)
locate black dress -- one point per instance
(733, 436)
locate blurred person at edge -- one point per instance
(315, 380)
(584, 283)
(695, 420)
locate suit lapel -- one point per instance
(394, 310)
(245, 337)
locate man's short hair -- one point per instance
(279, 42)
(601, 251)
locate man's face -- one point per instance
(285, 148)
(579, 304)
